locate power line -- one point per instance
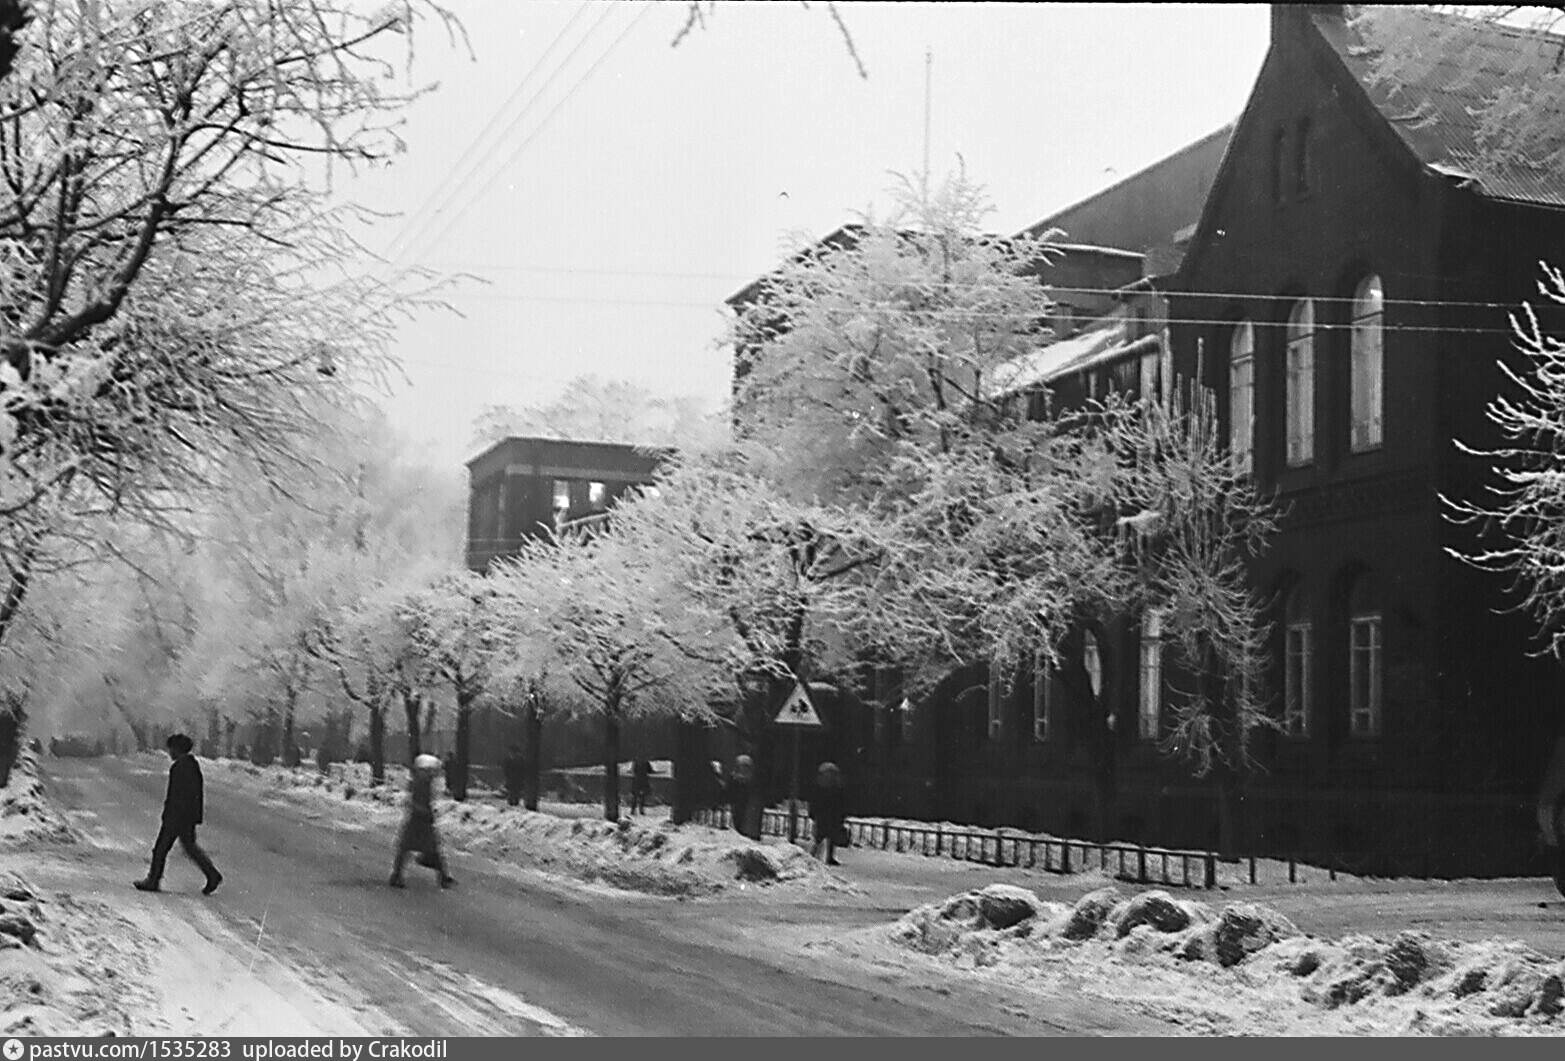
(542, 124)
(419, 218)
(505, 135)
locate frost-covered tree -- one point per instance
(1524, 508)
(877, 374)
(586, 616)
(177, 281)
(597, 410)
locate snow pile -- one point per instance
(643, 854)
(1244, 967)
(26, 815)
(68, 967)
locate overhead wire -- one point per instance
(451, 184)
(543, 123)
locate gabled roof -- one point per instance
(1433, 114)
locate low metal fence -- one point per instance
(1007, 847)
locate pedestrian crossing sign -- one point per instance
(797, 710)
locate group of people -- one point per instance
(828, 814)
(184, 807)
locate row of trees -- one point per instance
(885, 503)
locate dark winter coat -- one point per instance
(418, 831)
(827, 810)
(183, 804)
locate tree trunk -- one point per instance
(1230, 811)
(412, 710)
(611, 764)
(464, 725)
(16, 589)
(534, 761)
(230, 728)
(692, 771)
(378, 742)
(290, 749)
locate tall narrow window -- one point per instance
(1364, 660)
(1042, 697)
(596, 492)
(1301, 157)
(996, 703)
(907, 715)
(562, 495)
(1301, 383)
(1241, 394)
(1279, 140)
(1151, 713)
(1368, 399)
(1092, 662)
(1298, 661)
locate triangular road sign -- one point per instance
(797, 710)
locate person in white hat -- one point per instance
(418, 828)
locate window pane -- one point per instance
(1241, 393)
(1367, 401)
(1041, 697)
(1151, 674)
(1301, 383)
(1093, 663)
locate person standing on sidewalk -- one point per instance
(827, 810)
(182, 812)
(418, 828)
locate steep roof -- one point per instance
(1433, 111)
(1147, 210)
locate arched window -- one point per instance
(1364, 659)
(1241, 393)
(1279, 140)
(1298, 663)
(1301, 383)
(1368, 398)
(1301, 158)
(1092, 660)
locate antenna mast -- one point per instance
(929, 64)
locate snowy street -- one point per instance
(304, 937)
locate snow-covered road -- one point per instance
(305, 937)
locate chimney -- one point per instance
(1284, 15)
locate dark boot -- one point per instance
(213, 880)
(147, 884)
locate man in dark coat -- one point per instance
(515, 768)
(182, 812)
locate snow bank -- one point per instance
(26, 815)
(642, 854)
(69, 967)
(1244, 967)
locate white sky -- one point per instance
(615, 204)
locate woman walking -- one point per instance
(418, 829)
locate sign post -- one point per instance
(797, 713)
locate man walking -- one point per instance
(182, 812)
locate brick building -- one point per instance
(1340, 287)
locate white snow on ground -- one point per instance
(26, 816)
(1239, 969)
(645, 855)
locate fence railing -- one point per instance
(1006, 847)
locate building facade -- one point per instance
(1341, 296)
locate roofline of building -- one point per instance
(1226, 130)
(604, 443)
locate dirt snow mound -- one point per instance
(26, 814)
(1411, 984)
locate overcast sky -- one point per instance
(612, 190)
